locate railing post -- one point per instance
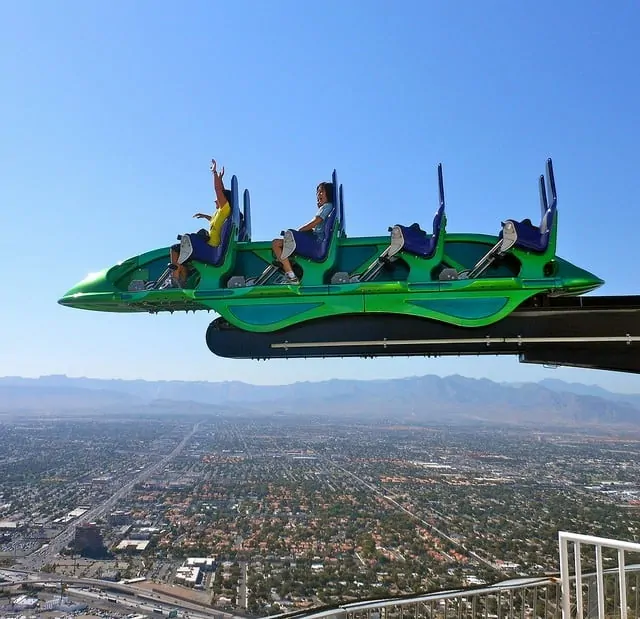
(600, 581)
(623, 584)
(564, 575)
(578, 573)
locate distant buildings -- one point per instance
(88, 541)
(143, 533)
(64, 605)
(191, 573)
(137, 538)
(111, 575)
(120, 518)
(10, 525)
(190, 576)
(135, 545)
(23, 602)
(205, 564)
(76, 513)
(507, 566)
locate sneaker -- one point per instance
(170, 282)
(285, 280)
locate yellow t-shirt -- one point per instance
(215, 225)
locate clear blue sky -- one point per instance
(110, 113)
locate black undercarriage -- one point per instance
(590, 332)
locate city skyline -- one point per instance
(257, 513)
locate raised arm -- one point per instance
(218, 185)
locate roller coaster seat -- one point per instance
(530, 237)
(195, 246)
(307, 244)
(418, 242)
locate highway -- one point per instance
(45, 554)
(144, 600)
(243, 589)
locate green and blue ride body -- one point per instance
(468, 280)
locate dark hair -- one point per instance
(328, 189)
(229, 195)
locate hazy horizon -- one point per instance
(337, 378)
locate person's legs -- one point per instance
(276, 246)
(180, 272)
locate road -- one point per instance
(127, 595)
(45, 554)
(243, 590)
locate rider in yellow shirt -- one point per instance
(222, 212)
(223, 208)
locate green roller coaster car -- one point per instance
(467, 280)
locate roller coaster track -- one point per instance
(589, 332)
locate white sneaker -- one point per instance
(169, 283)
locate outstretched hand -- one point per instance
(213, 168)
(200, 216)
(218, 185)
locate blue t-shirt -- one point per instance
(323, 213)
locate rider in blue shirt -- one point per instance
(322, 214)
(324, 196)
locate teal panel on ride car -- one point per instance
(269, 314)
(464, 308)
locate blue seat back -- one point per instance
(338, 208)
(244, 234)
(416, 241)
(329, 226)
(440, 220)
(343, 224)
(438, 224)
(538, 238)
(548, 210)
(334, 220)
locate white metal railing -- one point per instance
(612, 592)
(599, 544)
(519, 598)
